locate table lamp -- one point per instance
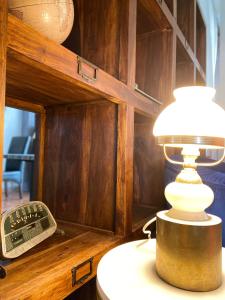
(189, 241)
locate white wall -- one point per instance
(211, 12)
(12, 125)
(17, 123)
(220, 75)
(214, 15)
(208, 12)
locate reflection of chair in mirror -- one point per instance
(14, 169)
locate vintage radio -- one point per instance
(25, 226)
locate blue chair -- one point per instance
(14, 169)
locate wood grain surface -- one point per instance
(124, 196)
(185, 19)
(45, 271)
(80, 163)
(148, 167)
(3, 49)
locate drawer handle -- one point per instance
(81, 72)
(74, 272)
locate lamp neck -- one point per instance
(189, 174)
(190, 153)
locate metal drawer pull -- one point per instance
(91, 70)
(74, 272)
(146, 95)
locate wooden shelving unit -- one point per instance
(102, 40)
(153, 52)
(184, 67)
(148, 166)
(48, 266)
(96, 98)
(199, 79)
(200, 39)
(186, 20)
(170, 5)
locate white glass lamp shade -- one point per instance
(192, 119)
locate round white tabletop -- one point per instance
(128, 272)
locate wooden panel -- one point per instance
(80, 158)
(152, 17)
(102, 166)
(200, 39)
(184, 67)
(124, 170)
(174, 56)
(3, 46)
(45, 271)
(124, 28)
(73, 41)
(185, 19)
(39, 157)
(154, 64)
(169, 4)
(132, 43)
(63, 162)
(199, 79)
(102, 33)
(148, 166)
(184, 74)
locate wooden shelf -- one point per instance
(184, 67)
(101, 40)
(200, 39)
(42, 72)
(79, 165)
(199, 79)
(185, 19)
(153, 51)
(148, 169)
(49, 264)
(169, 4)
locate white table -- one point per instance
(127, 272)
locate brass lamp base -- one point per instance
(188, 253)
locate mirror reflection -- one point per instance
(19, 157)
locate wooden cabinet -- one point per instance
(200, 39)
(154, 49)
(96, 96)
(185, 67)
(186, 20)
(80, 163)
(100, 35)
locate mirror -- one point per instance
(20, 157)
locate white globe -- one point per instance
(54, 19)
